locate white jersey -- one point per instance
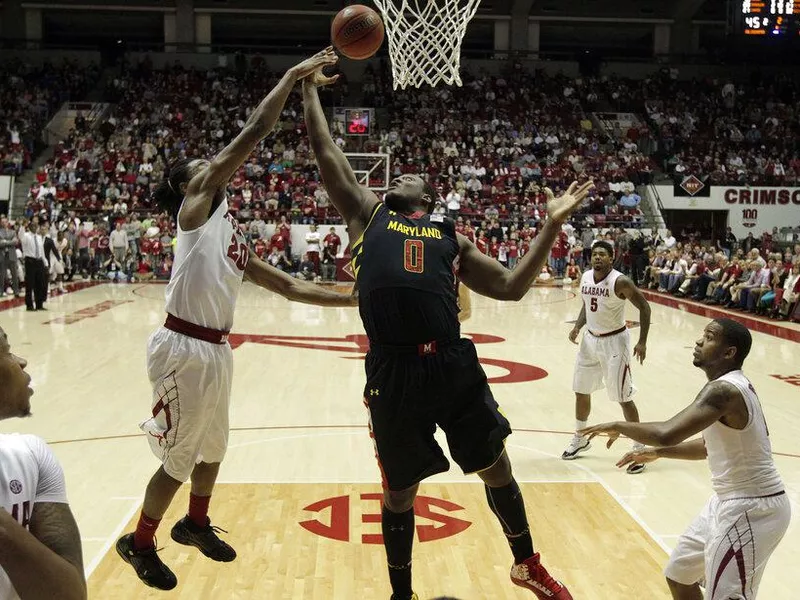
(741, 459)
(29, 473)
(605, 311)
(208, 271)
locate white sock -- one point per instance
(580, 425)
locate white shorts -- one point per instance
(727, 546)
(56, 268)
(191, 382)
(604, 362)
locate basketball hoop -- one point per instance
(425, 39)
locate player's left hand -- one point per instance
(561, 208)
(642, 456)
(608, 428)
(313, 66)
(640, 351)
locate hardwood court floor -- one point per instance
(299, 436)
(282, 559)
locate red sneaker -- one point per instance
(532, 576)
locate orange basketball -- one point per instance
(357, 32)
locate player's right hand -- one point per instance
(559, 209)
(645, 455)
(573, 335)
(315, 64)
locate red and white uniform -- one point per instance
(730, 541)
(191, 377)
(604, 355)
(29, 474)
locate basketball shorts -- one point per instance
(604, 362)
(727, 546)
(408, 396)
(191, 382)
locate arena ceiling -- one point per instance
(619, 28)
(707, 10)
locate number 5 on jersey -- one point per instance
(593, 305)
(413, 256)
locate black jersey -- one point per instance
(405, 267)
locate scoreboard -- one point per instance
(772, 18)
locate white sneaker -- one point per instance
(576, 446)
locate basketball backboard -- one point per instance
(371, 169)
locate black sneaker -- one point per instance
(147, 564)
(203, 538)
(635, 468)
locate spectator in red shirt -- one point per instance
(559, 254)
(481, 243)
(332, 241)
(276, 241)
(494, 248)
(285, 230)
(260, 248)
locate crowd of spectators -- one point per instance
(755, 275)
(488, 163)
(490, 147)
(493, 145)
(28, 98)
(734, 132)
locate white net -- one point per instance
(425, 39)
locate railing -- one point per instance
(653, 194)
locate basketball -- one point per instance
(357, 32)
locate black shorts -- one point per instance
(408, 395)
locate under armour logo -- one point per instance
(223, 339)
(374, 392)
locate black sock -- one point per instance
(507, 504)
(398, 537)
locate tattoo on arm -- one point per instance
(53, 524)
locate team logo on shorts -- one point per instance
(15, 486)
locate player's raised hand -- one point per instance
(640, 457)
(319, 79)
(609, 429)
(559, 209)
(314, 64)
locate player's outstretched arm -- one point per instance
(201, 190)
(45, 562)
(488, 278)
(691, 450)
(714, 401)
(353, 201)
(275, 280)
